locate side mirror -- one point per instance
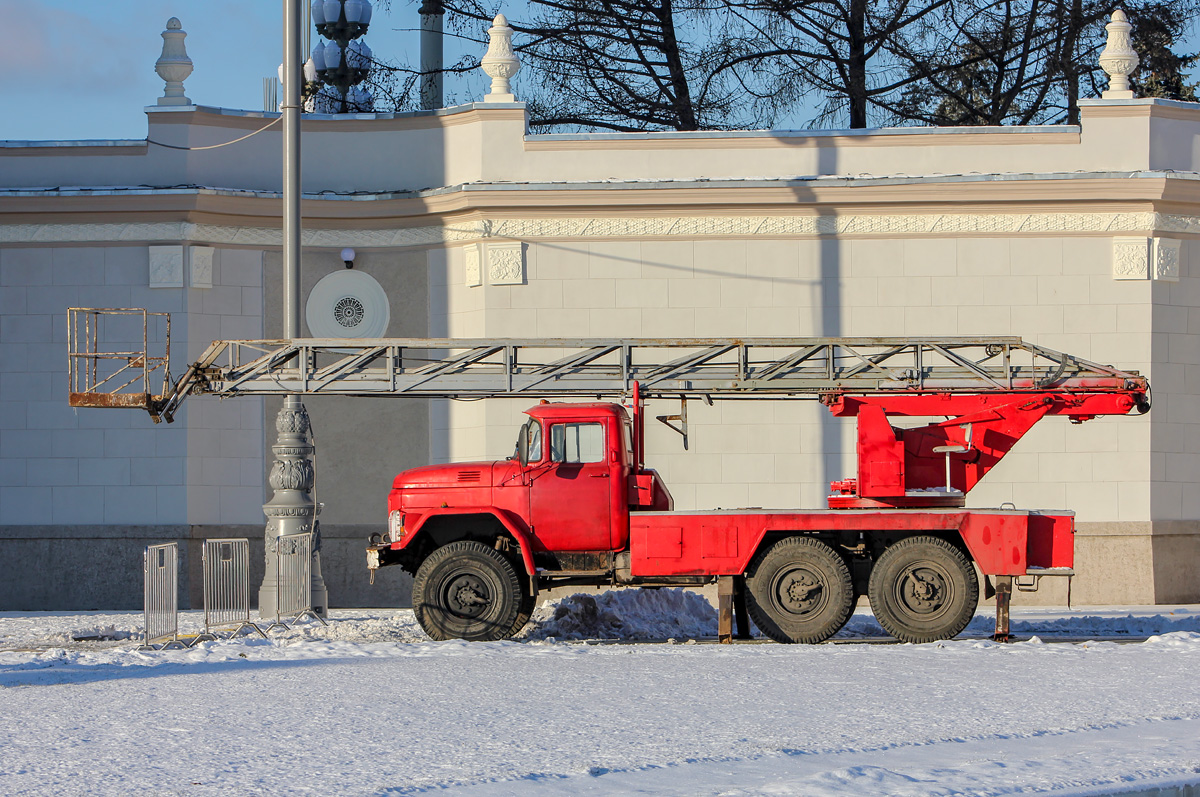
(523, 445)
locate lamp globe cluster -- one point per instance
(342, 62)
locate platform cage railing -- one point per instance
(293, 579)
(115, 357)
(160, 569)
(226, 564)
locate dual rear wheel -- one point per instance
(921, 589)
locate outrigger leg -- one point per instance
(731, 605)
(740, 615)
(1004, 585)
(725, 592)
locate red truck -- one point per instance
(575, 505)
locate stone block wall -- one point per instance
(62, 465)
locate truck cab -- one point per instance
(558, 509)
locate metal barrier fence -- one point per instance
(160, 568)
(293, 582)
(226, 587)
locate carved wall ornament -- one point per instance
(472, 267)
(166, 266)
(1131, 258)
(1166, 259)
(200, 266)
(506, 263)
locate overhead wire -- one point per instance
(216, 146)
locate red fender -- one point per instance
(524, 543)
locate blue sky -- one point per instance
(94, 59)
(83, 69)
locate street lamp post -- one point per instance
(292, 509)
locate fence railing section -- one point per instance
(160, 567)
(227, 587)
(293, 571)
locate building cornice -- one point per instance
(613, 227)
(1094, 203)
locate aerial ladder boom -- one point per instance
(988, 391)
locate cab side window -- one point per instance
(577, 442)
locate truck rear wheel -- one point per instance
(923, 589)
(466, 590)
(799, 590)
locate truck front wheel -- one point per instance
(799, 590)
(923, 589)
(466, 590)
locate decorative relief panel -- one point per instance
(166, 266)
(506, 263)
(1166, 259)
(200, 266)
(472, 267)
(1131, 258)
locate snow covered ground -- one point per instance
(367, 705)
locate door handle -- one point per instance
(598, 475)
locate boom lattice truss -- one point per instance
(708, 368)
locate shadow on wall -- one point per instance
(362, 443)
(830, 309)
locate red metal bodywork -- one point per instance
(1002, 542)
(902, 468)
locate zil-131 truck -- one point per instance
(576, 505)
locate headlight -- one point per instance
(395, 525)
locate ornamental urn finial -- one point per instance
(1119, 59)
(173, 65)
(500, 62)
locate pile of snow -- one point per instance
(625, 614)
(1116, 625)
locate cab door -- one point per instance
(570, 495)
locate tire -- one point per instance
(923, 589)
(466, 590)
(528, 604)
(799, 590)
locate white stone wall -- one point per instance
(1175, 428)
(1056, 291)
(60, 465)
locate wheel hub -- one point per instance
(922, 590)
(799, 591)
(467, 596)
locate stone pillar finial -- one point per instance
(1119, 59)
(500, 63)
(173, 65)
